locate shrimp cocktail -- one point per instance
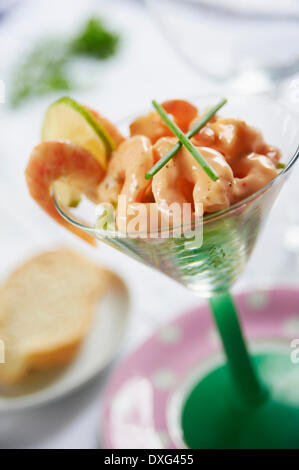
(184, 189)
(150, 173)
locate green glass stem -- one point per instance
(250, 390)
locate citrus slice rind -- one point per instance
(66, 119)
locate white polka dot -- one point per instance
(258, 300)
(291, 325)
(163, 378)
(164, 439)
(170, 334)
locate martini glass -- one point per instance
(246, 402)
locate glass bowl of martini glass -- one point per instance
(252, 411)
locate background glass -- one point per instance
(246, 44)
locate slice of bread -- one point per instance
(46, 309)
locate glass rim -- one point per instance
(207, 218)
(252, 13)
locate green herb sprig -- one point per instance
(196, 128)
(280, 166)
(45, 68)
(95, 41)
(186, 142)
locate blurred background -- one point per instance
(149, 49)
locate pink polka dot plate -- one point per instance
(145, 394)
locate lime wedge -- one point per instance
(66, 119)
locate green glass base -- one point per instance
(213, 417)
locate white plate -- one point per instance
(100, 346)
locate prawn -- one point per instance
(152, 126)
(52, 160)
(234, 139)
(126, 169)
(254, 172)
(183, 180)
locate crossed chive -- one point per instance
(184, 139)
